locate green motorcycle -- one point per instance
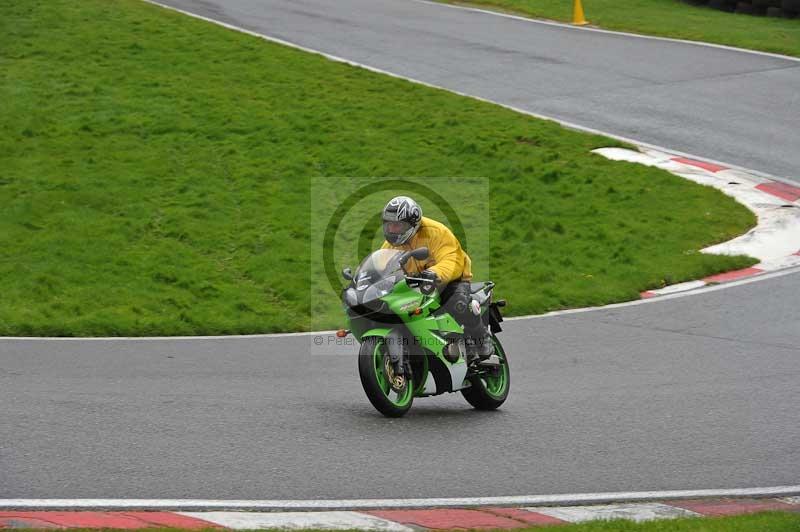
(411, 346)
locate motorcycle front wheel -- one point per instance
(488, 392)
(379, 381)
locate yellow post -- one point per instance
(578, 18)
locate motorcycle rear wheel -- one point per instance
(489, 392)
(372, 364)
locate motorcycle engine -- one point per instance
(455, 349)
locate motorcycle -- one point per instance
(410, 345)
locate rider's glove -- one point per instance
(431, 278)
(430, 275)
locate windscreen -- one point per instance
(379, 265)
(375, 277)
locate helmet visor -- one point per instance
(396, 232)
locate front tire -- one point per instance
(372, 368)
(489, 392)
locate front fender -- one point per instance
(380, 332)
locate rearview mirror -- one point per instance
(347, 273)
(420, 253)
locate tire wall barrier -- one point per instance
(770, 8)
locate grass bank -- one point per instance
(766, 522)
(666, 18)
(156, 171)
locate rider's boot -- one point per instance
(480, 346)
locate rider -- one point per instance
(405, 229)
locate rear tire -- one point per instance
(371, 359)
(488, 393)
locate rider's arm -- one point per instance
(449, 260)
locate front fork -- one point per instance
(397, 346)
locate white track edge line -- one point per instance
(666, 297)
(512, 108)
(356, 504)
(547, 22)
(552, 314)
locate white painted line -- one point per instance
(166, 338)
(299, 521)
(631, 512)
(779, 264)
(704, 290)
(364, 504)
(776, 236)
(680, 287)
(611, 32)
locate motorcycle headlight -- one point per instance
(350, 297)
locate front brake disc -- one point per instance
(397, 382)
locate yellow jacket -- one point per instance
(445, 255)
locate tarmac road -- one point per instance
(731, 106)
(694, 392)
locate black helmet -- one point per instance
(402, 217)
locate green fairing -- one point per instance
(426, 327)
(428, 330)
(403, 301)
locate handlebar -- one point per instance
(426, 285)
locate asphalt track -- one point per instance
(732, 106)
(687, 393)
(691, 392)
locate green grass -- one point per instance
(155, 177)
(667, 18)
(760, 522)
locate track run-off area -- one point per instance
(691, 392)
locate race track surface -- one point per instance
(694, 392)
(736, 107)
